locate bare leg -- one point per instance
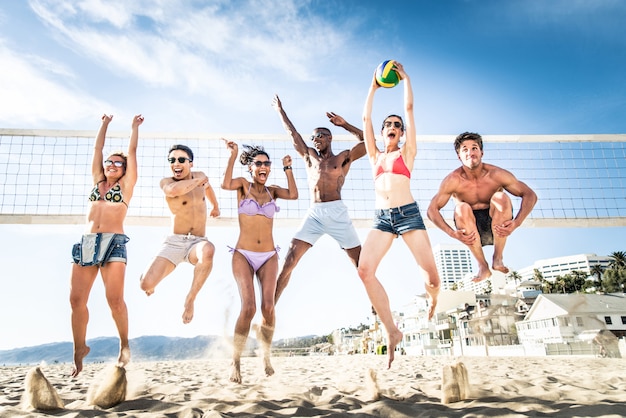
(239, 342)
(265, 334)
(297, 249)
(243, 276)
(354, 254)
(466, 221)
(267, 279)
(500, 211)
(419, 244)
(81, 281)
(201, 257)
(113, 276)
(156, 271)
(376, 246)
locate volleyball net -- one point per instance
(45, 175)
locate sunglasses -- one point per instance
(181, 160)
(263, 163)
(109, 163)
(319, 135)
(396, 124)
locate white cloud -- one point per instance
(186, 47)
(37, 92)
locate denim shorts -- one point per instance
(99, 249)
(399, 220)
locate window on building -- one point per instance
(608, 320)
(623, 319)
(579, 321)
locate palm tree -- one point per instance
(514, 277)
(597, 271)
(546, 286)
(578, 280)
(618, 260)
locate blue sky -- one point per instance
(494, 67)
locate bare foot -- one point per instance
(394, 340)
(124, 357)
(188, 314)
(483, 273)
(269, 370)
(499, 266)
(235, 374)
(433, 305)
(79, 355)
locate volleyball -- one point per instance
(386, 76)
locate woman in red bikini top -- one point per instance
(255, 252)
(397, 212)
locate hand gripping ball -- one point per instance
(386, 76)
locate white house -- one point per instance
(561, 318)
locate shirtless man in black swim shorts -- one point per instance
(483, 214)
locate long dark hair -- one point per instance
(250, 152)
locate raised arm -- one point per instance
(291, 192)
(97, 163)
(368, 128)
(357, 150)
(228, 183)
(130, 176)
(409, 149)
(296, 139)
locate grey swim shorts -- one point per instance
(328, 218)
(176, 248)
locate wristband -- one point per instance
(287, 167)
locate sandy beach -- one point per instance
(333, 386)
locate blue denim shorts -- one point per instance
(99, 249)
(399, 220)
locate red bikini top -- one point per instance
(398, 166)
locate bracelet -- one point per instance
(287, 167)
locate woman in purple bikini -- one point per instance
(255, 252)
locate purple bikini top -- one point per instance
(251, 207)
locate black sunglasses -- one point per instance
(263, 163)
(181, 160)
(108, 163)
(319, 135)
(395, 123)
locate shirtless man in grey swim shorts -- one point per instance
(186, 193)
(326, 173)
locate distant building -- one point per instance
(454, 262)
(526, 292)
(552, 267)
(562, 318)
(420, 337)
